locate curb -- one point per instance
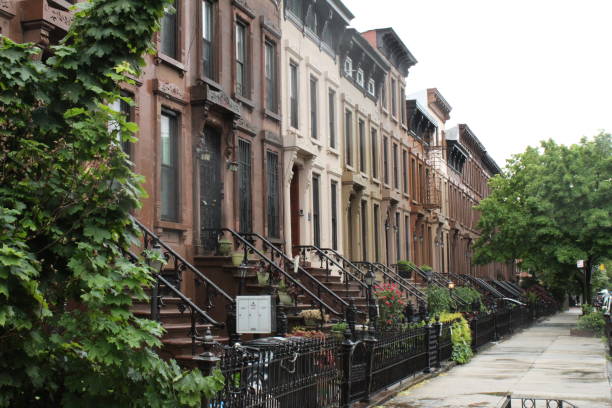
(391, 392)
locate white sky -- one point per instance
(515, 71)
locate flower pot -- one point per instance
(237, 258)
(224, 248)
(404, 272)
(262, 278)
(285, 299)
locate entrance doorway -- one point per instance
(294, 192)
(211, 190)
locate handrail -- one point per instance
(510, 288)
(504, 289)
(485, 286)
(394, 272)
(253, 249)
(183, 298)
(407, 286)
(345, 260)
(303, 271)
(335, 263)
(184, 261)
(443, 281)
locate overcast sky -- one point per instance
(515, 71)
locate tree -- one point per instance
(67, 336)
(551, 207)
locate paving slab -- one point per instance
(542, 361)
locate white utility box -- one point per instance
(255, 314)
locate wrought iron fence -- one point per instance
(329, 373)
(527, 402)
(289, 373)
(398, 355)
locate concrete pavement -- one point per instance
(543, 361)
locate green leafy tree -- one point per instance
(67, 336)
(550, 207)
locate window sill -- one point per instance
(171, 225)
(349, 167)
(272, 115)
(375, 181)
(172, 63)
(212, 83)
(245, 101)
(394, 118)
(333, 151)
(316, 142)
(385, 111)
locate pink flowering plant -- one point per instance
(390, 304)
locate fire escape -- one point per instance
(433, 191)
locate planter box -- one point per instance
(583, 333)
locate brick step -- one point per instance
(182, 347)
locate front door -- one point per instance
(211, 190)
(294, 192)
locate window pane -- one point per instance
(241, 63)
(313, 108)
(169, 31)
(293, 95)
(207, 38)
(362, 146)
(374, 154)
(348, 137)
(270, 68)
(332, 118)
(169, 170)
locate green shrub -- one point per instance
(469, 295)
(593, 321)
(439, 300)
(339, 327)
(426, 268)
(462, 341)
(587, 309)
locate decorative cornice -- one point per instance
(434, 97)
(169, 90)
(7, 8)
(270, 27)
(246, 127)
(222, 100)
(244, 7)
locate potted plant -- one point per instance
(283, 294)
(238, 258)
(338, 329)
(404, 269)
(312, 317)
(224, 247)
(263, 277)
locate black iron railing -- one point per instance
(528, 402)
(288, 373)
(276, 273)
(389, 276)
(328, 263)
(330, 373)
(168, 284)
(288, 266)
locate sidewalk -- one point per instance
(542, 361)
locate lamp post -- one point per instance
(242, 273)
(369, 280)
(451, 286)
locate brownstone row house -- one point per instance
(276, 118)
